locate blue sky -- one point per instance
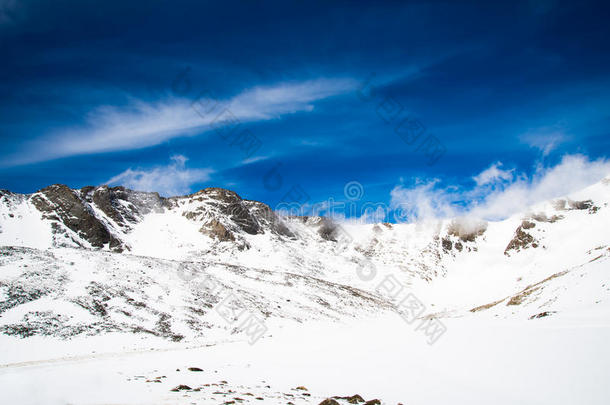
(139, 93)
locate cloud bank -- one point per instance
(497, 193)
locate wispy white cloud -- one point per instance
(497, 193)
(173, 179)
(493, 174)
(545, 139)
(142, 124)
(254, 159)
(423, 200)
(263, 103)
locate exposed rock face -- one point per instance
(102, 216)
(522, 239)
(231, 205)
(527, 224)
(569, 205)
(541, 314)
(224, 213)
(447, 245)
(544, 218)
(122, 205)
(217, 230)
(467, 229)
(462, 234)
(267, 218)
(354, 399)
(62, 205)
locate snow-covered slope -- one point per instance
(125, 240)
(141, 270)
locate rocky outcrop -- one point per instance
(466, 229)
(268, 219)
(63, 206)
(224, 214)
(570, 205)
(227, 204)
(122, 205)
(541, 217)
(354, 399)
(217, 231)
(101, 216)
(522, 239)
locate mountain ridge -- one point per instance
(130, 250)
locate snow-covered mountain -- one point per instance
(115, 241)
(212, 267)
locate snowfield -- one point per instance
(296, 310)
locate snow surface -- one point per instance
(526, 325)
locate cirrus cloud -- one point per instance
(143, 124)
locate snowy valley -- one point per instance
(112, 296)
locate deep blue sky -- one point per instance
(85, 87)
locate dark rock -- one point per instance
(251, 217)
(543, 218)
(60, 203)
(217, 230)
(580, 205)
(354, 399)
(467, 231)
(568, 205)
(542, 314)
(329, 401)
(220, 194)
(194, 369)
(241, 216)
(268, 219)
(527, 225)
(521, 239)
(181, 387)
